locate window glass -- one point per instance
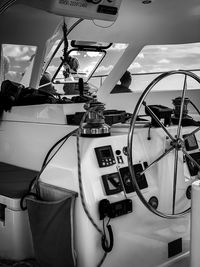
(17, 61)
(88, 67)
(156, 59)
(113, 54)
(161, 58)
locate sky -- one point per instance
(151, 59)
(19, 59)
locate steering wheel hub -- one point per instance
(177, 144)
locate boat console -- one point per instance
(97, 169)
(91, 178)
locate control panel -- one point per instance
(127, 180)
(113, 181)
(87, 9)
(192, 147)
(115, 209)
(193, 169)
(105, 156)
(190, 142)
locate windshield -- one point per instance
(92, 66)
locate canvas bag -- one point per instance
(51, 222)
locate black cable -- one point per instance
(34, 183)
(46, 162)
(6, 5)
(107, 246)
(22, 206)
(60, 43)
(65, 56)
(57, 143)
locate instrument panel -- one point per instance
(116, 182)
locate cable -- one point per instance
(64, 28)
(81, 187)
(83, 199)
(46, 162)
(107, 247)
(60, 43)
(6, 5)
(57, 143)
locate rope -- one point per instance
(81, 191)
(81, 188)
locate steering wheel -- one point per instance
(176, 143)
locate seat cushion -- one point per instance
(14, 180)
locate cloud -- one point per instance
(167, 57)
(52, 68)
(135, 65)
(103, 69)
(14, 76)
(17, 67)
(192, 50)
(88, 69)
(164, 61)
(140, 55)
(75, 53)
(24, 58)
(16, 51)
(163, 48)
(118, 47)
(94, 54)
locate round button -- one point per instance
(118, 152)
(153, 201)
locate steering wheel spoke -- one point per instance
(157, 160)
(192, 133)
(158, 121)
(175, 180)
(181, 107)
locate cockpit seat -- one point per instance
(15, 233)
(14, 180)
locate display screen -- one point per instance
(105, 156)
(112, 183)
(105, 153)
(118, 206)
(190, 142)
(193, 168)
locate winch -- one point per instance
(95, 125)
